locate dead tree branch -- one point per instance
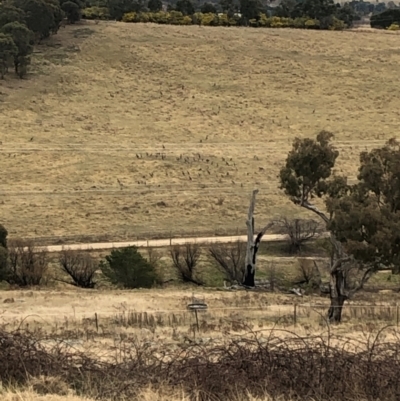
(185, 259)
(230, 260)
(80, 266)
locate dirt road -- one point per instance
(160, 242)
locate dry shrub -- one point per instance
(80, 266)
(49, 385)
(27, 263)
(313, 367)
(230, 259)
(185, 259)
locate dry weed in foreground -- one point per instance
(180, 134)
(322, 367)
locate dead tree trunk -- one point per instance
(337, 296)
(252, 245)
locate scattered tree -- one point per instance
(230, 260)
(154, 5)
(386, 18)
(185, 7)
(8, 50)
(185, 259)
(363, 218)
(299, 231)
(22, 38)
(10, 13)
(252, 244)
(72, 11)
(127, 267)
(80, 266)
(207, 8)
(250, 9)
(39, 17)
(27, 264)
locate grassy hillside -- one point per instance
(220, 106)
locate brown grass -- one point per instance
(99, 94)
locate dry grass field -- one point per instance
(110, 325)
(219, 105)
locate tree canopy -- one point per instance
(363, 218)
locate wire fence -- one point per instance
(295, 314)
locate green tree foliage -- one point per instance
(72, 11)
(207, 8)
(385, 19)
(185, 7)
(39, 17)
(8, 50)
(324, 11)
(10, 13)
(128, 268)
(118, 8)
(306, 175)
(154, 5)
(58, 14)
(250, 9)
(367, 218)
(22, 38)
(229, 6)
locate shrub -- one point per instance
(230, 260)
(185, 259)
(129, 17)
(92, 13)
(312, 24)
(394, 27)
(80, 266)
(337, 25)
(27, 264)
(128, 268)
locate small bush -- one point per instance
(312, 24)
(129, 17)
(93, 13)
(394, 27)
(127, 267)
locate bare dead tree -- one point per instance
(80, 266)
(252, 244)
(230, 259)
(185, 259)
(27, 263)
(299, 231)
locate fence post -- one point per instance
(295, 314)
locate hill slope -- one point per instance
(211, 112)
